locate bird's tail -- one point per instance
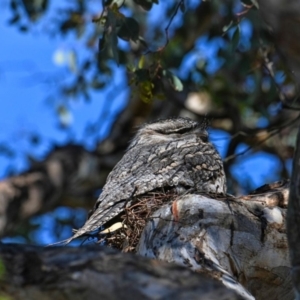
(77, 233)
(63, 242)
(94, 224)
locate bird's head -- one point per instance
(170, 130)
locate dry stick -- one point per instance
(293, 219)
(275, 131)
(171, 20)
(167, 28)
(135, 220)
(268, 64)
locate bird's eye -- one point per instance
(204, 138)
(182, 130)
(178, 131)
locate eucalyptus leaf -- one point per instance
(142, 74)
(111, 3)
(145, 4)
(174, 80)
(227, 27)
(255, 3)
(235, 38)
(110, 39)
(129, 30)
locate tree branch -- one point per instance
(240, 241)
(98, 273)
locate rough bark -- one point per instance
(37, 273)
(283, 17)
(239, 241)
(283, 20)
(293, 227)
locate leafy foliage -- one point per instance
(240, 83)
(196, 58)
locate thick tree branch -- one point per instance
(98, 273)
(238, 240)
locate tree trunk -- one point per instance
(283, 17)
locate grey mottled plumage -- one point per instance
(166, 153)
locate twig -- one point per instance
(135, 218)
(167, 29)
(244, 12)
(268, 64)
(171, 20)
(275, 131)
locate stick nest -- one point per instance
(134, 220)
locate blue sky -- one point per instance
(29, 98)
(26, 61)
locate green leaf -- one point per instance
(130, 68)
(129, 30)
(72, 61)
(161, 96)
(146, 4)
(111, 3)
(174, 80)
(65, 116)
(255, 3)
(235, 38)
(142, 74)
(101, 43)
(143, 42)
(114, 46)
(109, 40)
(146, 90)
(249, 2)
(141, 62)
(2, 269)
(227, 27)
